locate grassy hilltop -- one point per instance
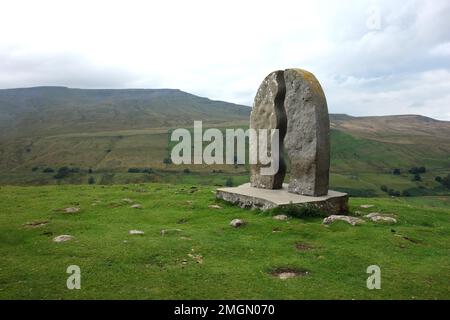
(104, 150)
(200, 256)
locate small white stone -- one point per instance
(237, 223)
(286, 275)
(378, 217)
(62, 238)
(136, 206)
(351, 220)
(372, 214)
(383, 219)
(281, 217)
(72, 210)
(139, 232)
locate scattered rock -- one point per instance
(72, 210)
(300, 246)
(62, 238)
(136, 206)
(351, 220)
(137, 232)
(197, 257)
(36, 224)
(127, 200)
(185, 238)
(372, 214)
(214, 206)
(237, 223)
(366, 206)
(276, 230)
(281, 217)
(378, 217)
(287, 273)
(169, 231)
(384, 219)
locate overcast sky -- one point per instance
(371, 57)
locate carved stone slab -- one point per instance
(268, 113)
(307, 140)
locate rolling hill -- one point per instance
(42, 111)
(104, 133)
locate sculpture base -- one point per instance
(249, 197)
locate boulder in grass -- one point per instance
(281, 217)
(372, 214)
(136, 232)
(236, 223)
(351, 220)
(382, 218)
(63, 238)
(72, 210)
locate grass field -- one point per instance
(208, 259)
(359, 166)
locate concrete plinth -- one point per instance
(249, 197)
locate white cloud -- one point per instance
(423, 93)
(224, 49)
(442, 49)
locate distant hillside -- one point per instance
(406, 129)
(393, 141)
(57, 110)
(103, 134)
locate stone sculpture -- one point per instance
(293, 102)
(268, 113)
(307, 139)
